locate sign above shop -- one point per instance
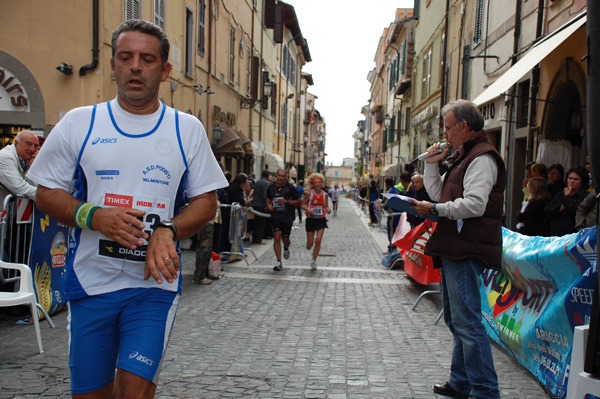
(227, 118)
(424, 115)
(13, 96)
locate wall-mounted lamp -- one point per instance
(199, 89)
(251, 102)
(217, 133)
(387, 121)
(65, 68)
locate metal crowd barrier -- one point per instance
(16, 226)
(237, 232)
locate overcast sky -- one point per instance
(342, 38)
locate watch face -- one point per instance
(168, 224)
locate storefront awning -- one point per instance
(390, 170)
(273, 162)
(230, 145)
(246, 145)
(533, 57)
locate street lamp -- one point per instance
(217, 133)
(387, 121)
(267, 92)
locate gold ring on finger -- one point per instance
(167, 258)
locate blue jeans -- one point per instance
(472, 370)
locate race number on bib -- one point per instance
(277, 204)
(156, 210)
(317, 211)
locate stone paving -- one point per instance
(345, 330)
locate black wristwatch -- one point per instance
(433, 210)
(168, 223)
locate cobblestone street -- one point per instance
(345, 330)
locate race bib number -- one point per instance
(277, 204)
(156, 210)
(317, 212)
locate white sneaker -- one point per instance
(313, 264)
(278, 266)
(286, 253)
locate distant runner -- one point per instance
(335, 197)
(315, 202)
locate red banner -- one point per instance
(412, 246)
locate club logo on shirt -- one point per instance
(107, 174)
(99, 140)
(156, 174)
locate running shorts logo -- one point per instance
(135, 355)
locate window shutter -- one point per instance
(201, 24)
(478, 22)
(403, 57)
(159, 13)
(278, 26)
(133, 9)
(254, 87)
(269, 14)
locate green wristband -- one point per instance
(83, 215)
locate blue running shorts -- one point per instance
(128, 329)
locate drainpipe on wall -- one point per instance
(95, 47)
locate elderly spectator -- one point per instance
(15, 160)
(560, 212)
(260, 204)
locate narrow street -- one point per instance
(345, 330)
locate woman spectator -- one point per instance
(532, 221)
(560, 212)
(539, 170)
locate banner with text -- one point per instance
(545, 289)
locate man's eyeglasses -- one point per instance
(448, 128)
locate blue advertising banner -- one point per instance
(532, 306)
(48, 259)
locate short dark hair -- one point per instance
(389, 181)
(405, 177)
(241, 178)
(558, 167)
(583, 174)
(465, 111)
(139, 25)
(265, 173)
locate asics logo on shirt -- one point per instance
(99, 140)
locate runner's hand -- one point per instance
(121, 225)
(161, 257)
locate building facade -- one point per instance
(235, 63)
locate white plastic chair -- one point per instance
(25, 295)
